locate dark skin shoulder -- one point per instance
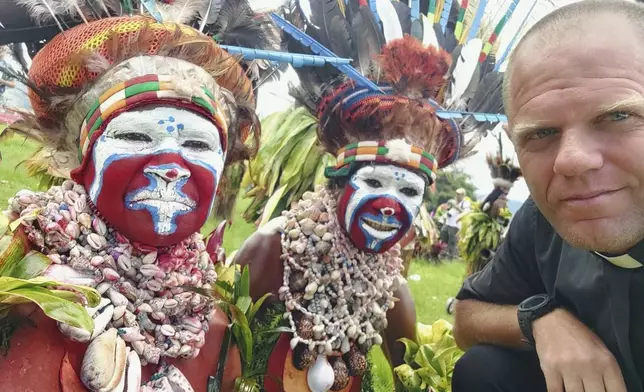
(262, 252)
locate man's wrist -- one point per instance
(530, 311)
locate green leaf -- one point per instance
(31, 266)
(424, 356)
(245, 282)
(272, 203)
(256, 306)
(243, 303)
(54, 307)
(244, 339)
(411, 348)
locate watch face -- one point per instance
(534, 302)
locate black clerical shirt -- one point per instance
(609, 299)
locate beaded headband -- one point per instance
(147, 89)
(398, 152)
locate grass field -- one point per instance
(430, 285)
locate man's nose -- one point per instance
(387, 206)
(578, 153)
(169, 173)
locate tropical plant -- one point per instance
(290, 161)
(21, 282)
(429, 361)
(232, 294)
(479, 234)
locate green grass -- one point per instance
(430, 292)
(12, 178)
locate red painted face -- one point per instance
(153, 174)
(378, 206)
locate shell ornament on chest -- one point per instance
(342, 267)
(134, 236)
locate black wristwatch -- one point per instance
(531, 309)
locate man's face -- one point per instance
(153, 174)
(378, 206)
(577, 123)
(460, 197)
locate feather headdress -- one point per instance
(422, 71)
(171, 45)
(503, 171)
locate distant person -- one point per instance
(449, 232)
(561, 305)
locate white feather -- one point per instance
(97, 63)
(43, 10)
(389, 17)
(181, 11)
(305, 6)
(464, 69)
(429, 35)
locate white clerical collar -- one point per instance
(622, 261)
(629, 260)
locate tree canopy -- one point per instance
(447, 182)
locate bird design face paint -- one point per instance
(154, 172)
(379, 204)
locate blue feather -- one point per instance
(295, 59)
(500, 61)
(151, 6)
(319, 49)
(415, 10)
(372, 5)
(447, 8)
(476, 23)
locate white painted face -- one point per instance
(165, 161)
(380, 204)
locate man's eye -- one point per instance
(542, 133)
(618, 116)
(134, 137)
(409, 192)
(196, 145)
(373, 183)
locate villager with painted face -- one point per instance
(332, 258)
(560, 305)
(143, 115)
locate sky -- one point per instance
(274, 96)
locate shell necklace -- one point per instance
(336, 296)
(144, 308)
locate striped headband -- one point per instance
(397, 152)
(146, 89)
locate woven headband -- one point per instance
(146, 89)
(397, 152)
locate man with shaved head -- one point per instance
(561, 306)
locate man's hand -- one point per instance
(573, 358)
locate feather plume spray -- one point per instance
(367, 41)
(498, 29)
(237, 25)
(210, 14)
(42, 10)
(468, 20)
(180, 11)
(421, 75)
(319, 49)
(476, 22)
(333, 27)
(444, 16)
(460, 19)
(438, 12)
(519, 32)
(429, 34)
(389, 18)
(307, 11)
(463, 70)
(404, 16)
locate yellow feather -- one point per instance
(439, 10)
(342, 7)
(470, 13)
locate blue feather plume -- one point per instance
(447, 8)
(295, 59)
